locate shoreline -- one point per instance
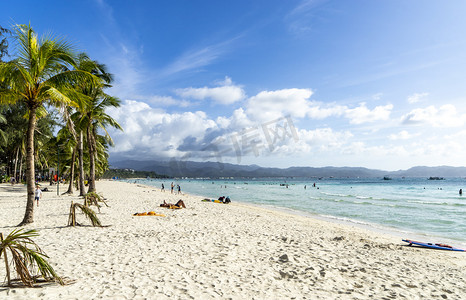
(400, 233)
(209, 251)
(373, 227)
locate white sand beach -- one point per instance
(220, 251)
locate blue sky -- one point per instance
(378, 84)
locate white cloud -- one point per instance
(225, 94)
(167, 101)
(402, 135)
(150, 132)
(270, 105)
(153, 132)
(362, 114)
(324, 138)
(416, 97)
(445, 116)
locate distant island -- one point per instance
(193, 169)
(130, 173)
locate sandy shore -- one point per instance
(220, 251)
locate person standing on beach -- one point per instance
(179, 189)
(163, 188)
(37, 194)
(172, 187)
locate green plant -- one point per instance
(4, 178)
(88, 212)
(27, 257)
(92, 198)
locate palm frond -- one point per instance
(92, 198)
(28, 258)
(90, 214)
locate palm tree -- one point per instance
(40, 74)
(92, 112)
(98, 119)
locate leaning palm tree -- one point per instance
(40, 74)
(28, 258)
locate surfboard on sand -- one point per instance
(433, 246)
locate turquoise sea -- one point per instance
(417, 207)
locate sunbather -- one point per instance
(178, 204)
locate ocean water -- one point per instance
(418, 206)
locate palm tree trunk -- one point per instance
(30, 172)
(91, 143)
(16, 164)
(73, 158)
(81, 164)
(20, 178)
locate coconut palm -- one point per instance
(40, 74)
(92, 116)
(96, 118)
(28, 258)
(82, 91)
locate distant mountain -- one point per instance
(176, 168)
(441, 171)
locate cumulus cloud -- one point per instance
(153, 133)
(362, 114)
(225, 94)
(150, 131)
(445, 116)
(269, 105)
(402, 135)
(416, 97)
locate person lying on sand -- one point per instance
(178, 204)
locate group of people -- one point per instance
(178, 188)
(225, 199)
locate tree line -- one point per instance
(52, 111)
(126, 173)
